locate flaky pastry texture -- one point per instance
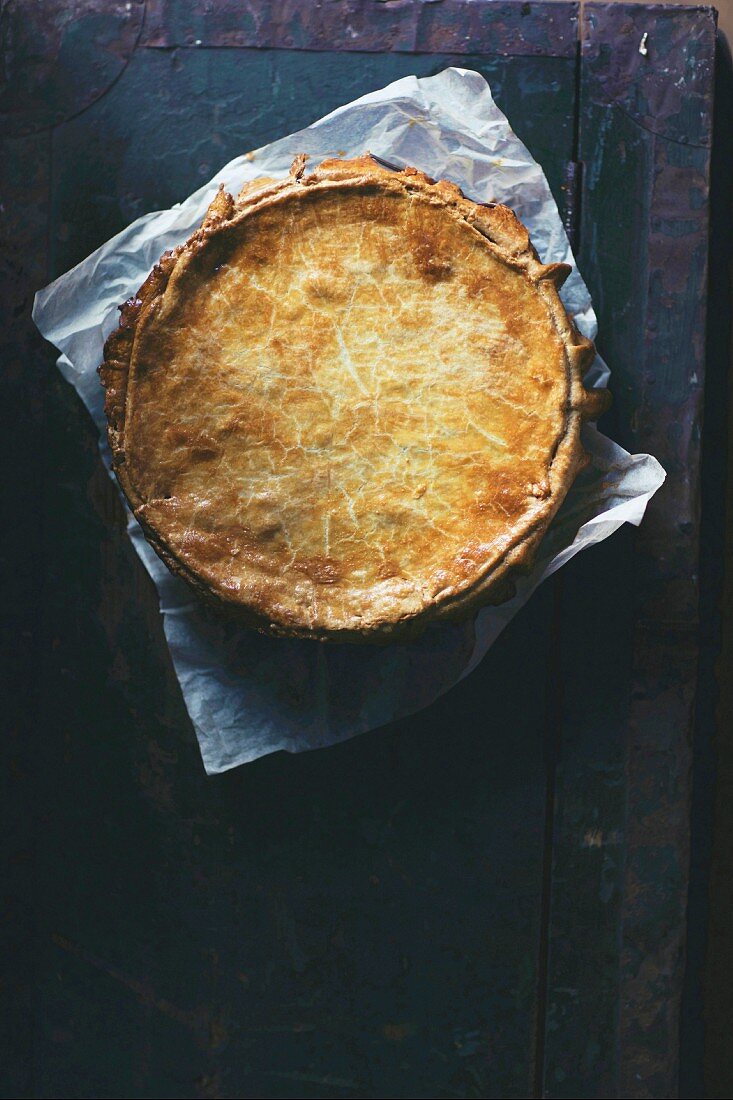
(350, 404)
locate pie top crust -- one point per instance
(349, 404)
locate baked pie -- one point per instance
(350, 404)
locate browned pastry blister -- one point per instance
(350, 404)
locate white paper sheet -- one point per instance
(249, 695)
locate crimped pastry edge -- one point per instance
(509, 240)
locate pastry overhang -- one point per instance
(349, 404)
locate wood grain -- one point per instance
(487, 899)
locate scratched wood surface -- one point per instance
(487, 899)
(645, 144)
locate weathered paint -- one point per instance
(57, 58)
(406, 914)
(617, 954)
(502, 27)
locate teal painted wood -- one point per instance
(621, 845)
(24, 187)
(386, 917)
(359, 922)
(506, 28)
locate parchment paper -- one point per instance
(249, 695)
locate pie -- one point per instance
(350, 404)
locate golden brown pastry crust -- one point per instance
(349, 404)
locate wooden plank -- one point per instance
(497, 27)
(708, 1006)
(622, 821)
(121, 774)
(360, 921)
(24, 187)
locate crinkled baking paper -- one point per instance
(249, 695)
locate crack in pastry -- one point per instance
(350, 404)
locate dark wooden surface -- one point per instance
(487, 899)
